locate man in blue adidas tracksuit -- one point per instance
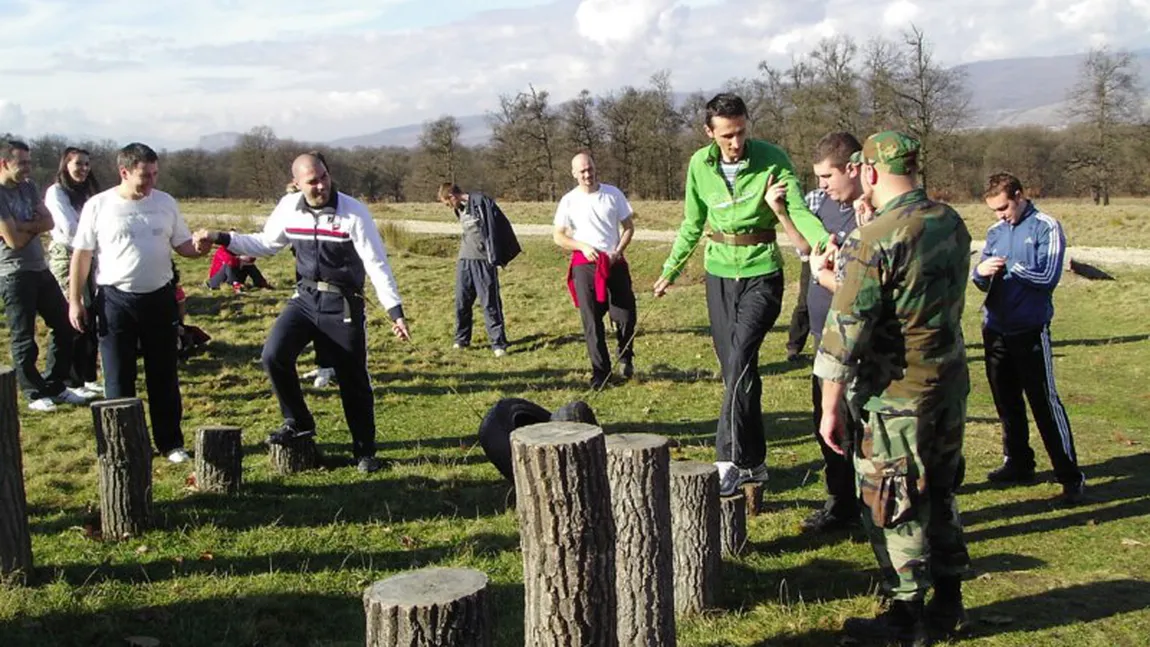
(337, 245)
(1019, 269)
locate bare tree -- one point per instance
(1106, 98)
(932, 102)
(580, 129)
(259, 167)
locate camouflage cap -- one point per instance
(890, 151)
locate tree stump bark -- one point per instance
(695, 535)
(296, 456)
(219, 459)
(15, 540)
(566, 534)
(733, 524)
(433, 607)
(638, 469)
(753, 491)
(124, 456)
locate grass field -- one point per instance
(1125, 223)
(285, 563)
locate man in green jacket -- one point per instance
(741, 188)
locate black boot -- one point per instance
(902, 624)
(945, 613)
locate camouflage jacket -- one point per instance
(895, 324)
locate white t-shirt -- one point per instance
(64, 216)
(132, 240)
(594, 218)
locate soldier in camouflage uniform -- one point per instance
(894, 335)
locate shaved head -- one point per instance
(309, 175)
(306, 163)
(583, 170)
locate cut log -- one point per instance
(753, 491)
(219, 459)
(733, 524)
(124, 456)
(296, 456)
(695, 535)
(15, 540)
(566, 533)
(638, 469)
(432, 607)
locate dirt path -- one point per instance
(1093, 255)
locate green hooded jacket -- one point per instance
(709, 201)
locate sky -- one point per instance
(167, 72)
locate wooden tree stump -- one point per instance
(695, 535)
(15, 540)
(219, 459)
(432, 607)
(733, 524)
(638, 469)
(296, 456)
(753, 491)
(124, 456)
(566, 534)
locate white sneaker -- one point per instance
(310, 374)
(728, 477)
(179, 456)
(43, 404)
(94, 387)
(500, 352)
(323, 377)
(72, 396)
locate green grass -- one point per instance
(1125, 223)
(285, 563)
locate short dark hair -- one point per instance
(136, 153)
(837, 149)
(726, 105)
(1002, 183)
(8, 152)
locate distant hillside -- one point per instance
(1019, 91)
(218, 141)
(473, 130)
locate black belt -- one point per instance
(332, 288)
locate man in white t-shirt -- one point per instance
(131, 230)
(594, 222)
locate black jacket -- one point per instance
(498, 236)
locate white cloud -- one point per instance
(182, 69)
(608, 22)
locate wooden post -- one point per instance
(566, 534)
(15, 540)
(733, 524)
(753, 491)
(219, 459)
(124, 455)
(296, 456)
(695, 535)
(638, 469)
(432, 607)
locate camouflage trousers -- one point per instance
(908, 469)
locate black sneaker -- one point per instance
(288, 434)
(626, 369)
(902, 624)
(368, 464)
(1073, 493)
(825, 520)
(599, 382)
(793, 357)
(1009, 473)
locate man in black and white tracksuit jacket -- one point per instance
(336, 245)
(1019, 269)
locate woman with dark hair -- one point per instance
(75, 183)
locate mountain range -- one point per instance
(1005, 92)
